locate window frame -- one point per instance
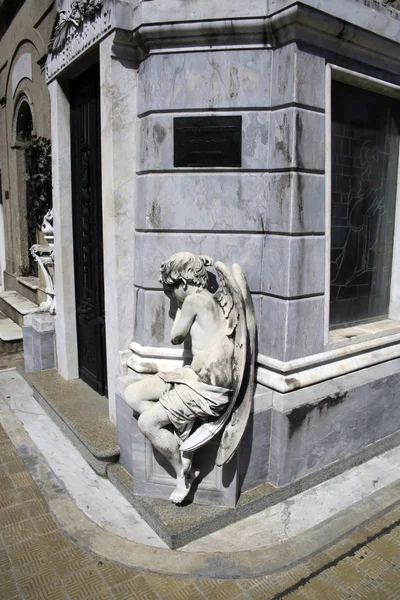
(355, 79)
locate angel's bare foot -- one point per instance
(183, 485)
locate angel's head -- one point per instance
(185, 269)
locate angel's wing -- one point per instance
(232, 303)
(239, 417)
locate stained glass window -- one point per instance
(365, 149)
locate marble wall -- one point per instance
(267, 215)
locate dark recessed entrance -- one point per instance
(87, 224)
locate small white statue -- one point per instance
(216, 388)
(44, 255)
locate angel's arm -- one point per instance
(183, 321)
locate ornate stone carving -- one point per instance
(79, 11)
(44, 254)
(216, 390)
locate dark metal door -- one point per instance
(87, 225)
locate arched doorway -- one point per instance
(34, 183)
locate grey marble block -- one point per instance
(297, 139)
(295, 203)
(254, 202)
(254, 450)
(153, 249)
(43, 350)
(332, 427)
(202, 201)
(193, 80)
(291, 329)
(125, 426)
(292, 265)
(39, 342)
(297, 76)
(28, 348)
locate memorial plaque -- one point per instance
(207, 141)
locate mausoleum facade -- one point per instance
(259, 133)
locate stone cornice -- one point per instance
(370, 36)
(375, 40)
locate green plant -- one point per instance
(25, 270)
(38, 187)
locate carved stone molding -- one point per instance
(70, 22)
(75, 35)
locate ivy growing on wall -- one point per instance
(38, 188)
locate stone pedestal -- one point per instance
(39, 342)
(154, 476)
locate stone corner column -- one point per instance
(65, 323)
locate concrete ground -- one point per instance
(41, 557)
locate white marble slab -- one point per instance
(304, 511)
(18, 302)
(10, 331)
(95, 496)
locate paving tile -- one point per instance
(163, 584)
(43, 566)
(83, 584)
(14, 466)
(54, 541)
(322, 587)
(5, 564)
(44, 524)
(248, 584)
(346, 575)
(388, 549)
(389, 583)
(28, 551)
(317, 562)
(189, 592)
(340, 548)
(296, 595)
(220, 590)
(9, 498)
(36, 582)
(17, 533)
(266, 589)
(13, 515)
(8, 453)
(114, 574)
(369, 562)
(36, 507)
(30, 493)
(49, 591)
(137, 589)
(6, 483)
(8, 587)
(105, 595)
(360, 536)
(20, 480)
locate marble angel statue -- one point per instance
(215, 392)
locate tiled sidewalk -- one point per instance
(38, 561)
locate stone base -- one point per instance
(327, 422)
(313, 433)
(154, 476)
(39, 342)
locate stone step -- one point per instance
(15, 306)
(10, 336)
(28, 287)
(80, 413)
